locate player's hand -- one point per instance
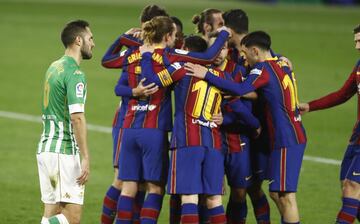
(146, 48)
(287, 61)
(133, 31)
(218, 118)
(304, 108)
(227, 29)
(141, 90)
(195, 70)
(85, 171)
(257, 132)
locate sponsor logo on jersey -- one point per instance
(147, 107)
(79, 89)
(204, 123)
(176, 65)
(297, 118)
(255, 71)
(179, 51)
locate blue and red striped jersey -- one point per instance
(350, 87)
(195, 103)
(155, 111)
(276, 83)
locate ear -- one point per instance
(207, 27)
(78, 41)
(255, 51)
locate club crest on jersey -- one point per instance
(79, 89)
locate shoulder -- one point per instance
(257, 69)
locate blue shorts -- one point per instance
(350, 166)
(260, 158)
(196, 170)
(117, 136)
(237, 166)
(143, 155)
(285, 168)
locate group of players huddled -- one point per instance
(236, 118)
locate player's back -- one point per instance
(64, 82)
(281, 96)
(195, 103)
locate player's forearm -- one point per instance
(79, 127)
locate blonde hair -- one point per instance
(155, 29)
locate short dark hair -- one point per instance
(357, 29)
(152, 11)
(195, 43)
(257, 38)
(177, 21)
(237, 20)
(72, 30)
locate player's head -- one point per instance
(219, 60)
(160, 29)
(150, 12)
(237, 21)
(208, 21)
(255, 45)
(179, 32)
(357, 37)
(77, 33)
(195, 43)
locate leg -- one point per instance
(259, 202)
(189, 209)
(289, 207)
(215, 209)
(110, 200)
(237, 208)
(153, 203)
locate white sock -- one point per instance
(44, 220)
(60, 217)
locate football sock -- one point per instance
(139, 201)
(236, 212)
(58, 219)
(217, 215)
(175, 209)
(262, 210)
(125, 210)
(109, 205)
(151, 209)
(348, 211)
(189, 213)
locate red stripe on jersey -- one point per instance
(262, 79)
(173, 172)
(118, 143)
(283, 170)
(216, 136)
(133, 82)
(193, 131)
(116, 117)
(233, 142)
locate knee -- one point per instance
(351, 189)
(213, 201)
(238, 195)
(287, 199)
(74, 220)
(117, 184)
(129, 188)
(189, 199)
(155, 188)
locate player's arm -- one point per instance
(122, 87)
(76, 95)
(335, 98)
(113, 58)
(244, 114)
(165, 77)
(203, 58)
(253, 81)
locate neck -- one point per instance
(71, 52)
(264, 56)
(238, 38)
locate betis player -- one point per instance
(62, 175)
(275, 82)
(350, 166)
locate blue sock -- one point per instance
(189, 213)
(262, 210)
(217, 215)
(151, 209)
(125, 210)
(348, 211)
(139, 201)
(109, 205)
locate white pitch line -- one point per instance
(103, 129)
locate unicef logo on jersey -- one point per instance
(147, 107)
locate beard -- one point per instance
(85, 52)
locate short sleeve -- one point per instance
(76, 92)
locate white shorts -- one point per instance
(58, 174)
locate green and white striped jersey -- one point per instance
(64, 94)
